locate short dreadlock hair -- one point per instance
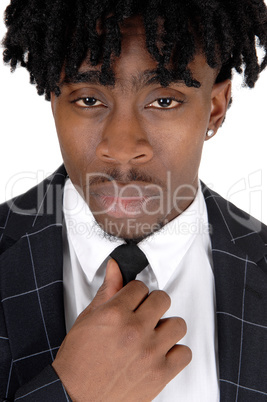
(47, 36)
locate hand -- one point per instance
(119, 349)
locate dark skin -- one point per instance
(159, 133)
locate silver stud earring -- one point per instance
(210, 133)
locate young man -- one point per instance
(136, 88)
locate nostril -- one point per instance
(111, 150)
(108, 157)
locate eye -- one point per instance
(88, 102)
(165, 103)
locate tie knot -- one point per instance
(131, 261)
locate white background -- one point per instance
(234, 162)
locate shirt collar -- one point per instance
(164, 249)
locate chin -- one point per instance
(130, 230)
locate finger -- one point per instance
(178, 357)
(113, 282)
(153, 308)
(169, 331)
(113, 279)
(132, 295)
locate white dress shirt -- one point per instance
(180, 263)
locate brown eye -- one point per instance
(165, 103)
(88, 102)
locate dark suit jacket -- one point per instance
(32, 323)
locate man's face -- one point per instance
(133, 150)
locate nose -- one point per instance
(124, 141)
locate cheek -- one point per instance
(77, 143)
(180, 143)
(184, 128)
(74, 133)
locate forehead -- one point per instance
(135, 67)
(133, 25)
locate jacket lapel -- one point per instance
(240, 281)
(31, 279)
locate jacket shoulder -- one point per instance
(19, 214)
(241, 229)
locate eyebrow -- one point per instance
(138, 81)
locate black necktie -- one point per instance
(131, 261)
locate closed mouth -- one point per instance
(120, 201)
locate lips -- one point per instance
(120, 200)
(123, 206)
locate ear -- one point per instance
(220, 98)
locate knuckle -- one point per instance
(187, 354)
(115, 313)
(132, 334)
(146, 355)
(112, 314)
(179, 358)
(180, 325)
(158, 374)
(184, 357)
(136, 289)
(139, 285)
(165, 298)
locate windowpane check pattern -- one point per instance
(32, 323)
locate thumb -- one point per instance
(113, 282)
